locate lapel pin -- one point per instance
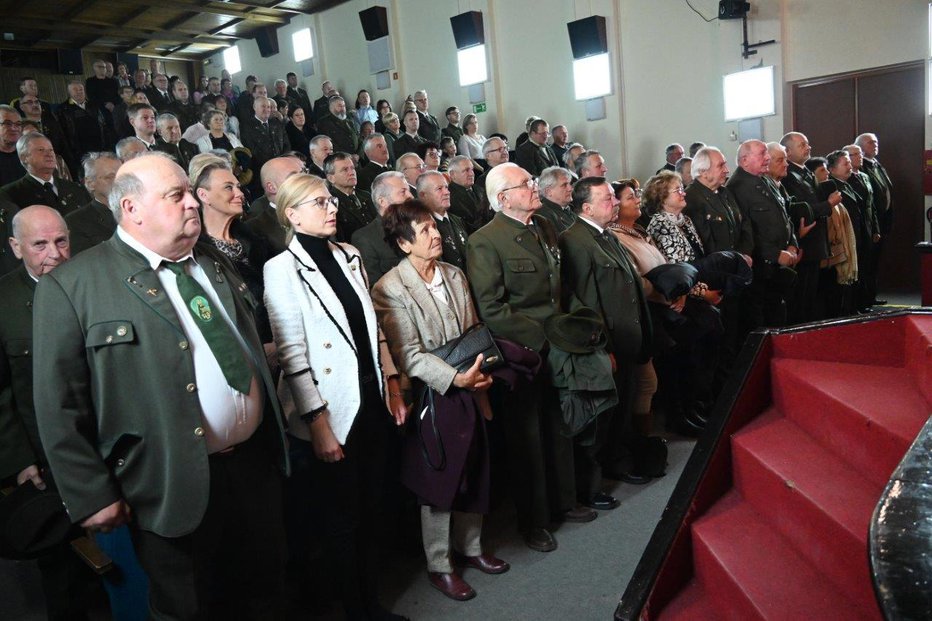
(152, 292)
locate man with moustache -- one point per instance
(339, 128)
(192, 456)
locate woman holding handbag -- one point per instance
(336, 371)
(424, 304)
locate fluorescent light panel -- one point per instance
(231, 60)
(472, 65)
(592, 77)
(301, 41)
(749, 94)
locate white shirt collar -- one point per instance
(41, 181)
(591, 223)
(153, 258)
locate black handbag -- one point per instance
(460, 353)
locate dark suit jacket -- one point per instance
(181, 152)
(19, 436)
(367, 174)
(598, 274)
(187, 114)
(861, 184)
(377, 256)
(266, 226)
(560, 218)
(718, 220)
(85, 130)
(515, 278)
(468, 207)
(534, 158)
(27, 191)
(90, 225)
(429, 128)
(321, 109)
(298, 97)
(801, 184)
(256, 208)
(139, 439)
(454, 237)
(343, 134)
(8, 261)
(760, 202)
(264, 145)
(453, 132)
(406, 144)
(159, 102)
(355, 212)
(857, 209)
(883, 191)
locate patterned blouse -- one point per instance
(676, 236)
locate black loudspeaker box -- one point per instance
(267, 39)
(733, 9)
(374, 22)
(588, 36)
(467, 29)
(69, 62)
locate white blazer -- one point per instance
(319, 363)
(205, 145)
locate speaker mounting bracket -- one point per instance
(749, 49)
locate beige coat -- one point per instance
(409, 315)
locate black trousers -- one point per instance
(351, 496)
(540, 457)
(803, 305)
(232, 565)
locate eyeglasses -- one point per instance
(321, 202)
(418, 167)
(531, 184)
(678, 190)
(29, 102)
(17, 124)
(499, 150)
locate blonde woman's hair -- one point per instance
(292, 191)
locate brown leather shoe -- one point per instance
(486, 563)
(579, 514)
(451, 585)
(540, 539)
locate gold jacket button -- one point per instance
(121, 331)
(183, 344)
(190, 387)
(199, 432)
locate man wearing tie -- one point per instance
(534, 155)
(355, 210)
(883, 194)
(40, 186)
(597, 274)
(264, 136)
(432, 188)
(142, 120)
(158, 409)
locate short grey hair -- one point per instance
(370, 139)
(459, 160)
(681, 164)
(123, 146)
(280, 81)
(488, 148)
(550, 177)
(24, 144)
(10, 109)
(495, 182)
(129, 184)
(567, 157)
(163, 118)
(424, 178)
(89, 162)
(316, 140)
(582, 162)
(400, 164)
(702, 161)
(861, 139)
(672, 147)
(380, 188)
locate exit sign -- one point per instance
(479, 107)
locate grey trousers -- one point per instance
(436, 531)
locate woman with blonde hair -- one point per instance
(336, 372)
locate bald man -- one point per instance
(775, 250)
(263, 219)
(193, 454)
(40, 242)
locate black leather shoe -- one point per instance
(540, 539)
(451, 585)
(625, 477)
(578, 514)
(878, 302)
(602, 502)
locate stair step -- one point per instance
(752, 572)
(813, 498)
(868, 415)
(919, 353)
(692, 603)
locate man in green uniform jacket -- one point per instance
(158, 407)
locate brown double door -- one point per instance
(889, 101)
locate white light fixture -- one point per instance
(472, 65)
(592, 77)
(749, 94)
(231, 60)
(303, 47)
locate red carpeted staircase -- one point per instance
(789, 539)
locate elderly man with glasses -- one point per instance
(513, 265)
